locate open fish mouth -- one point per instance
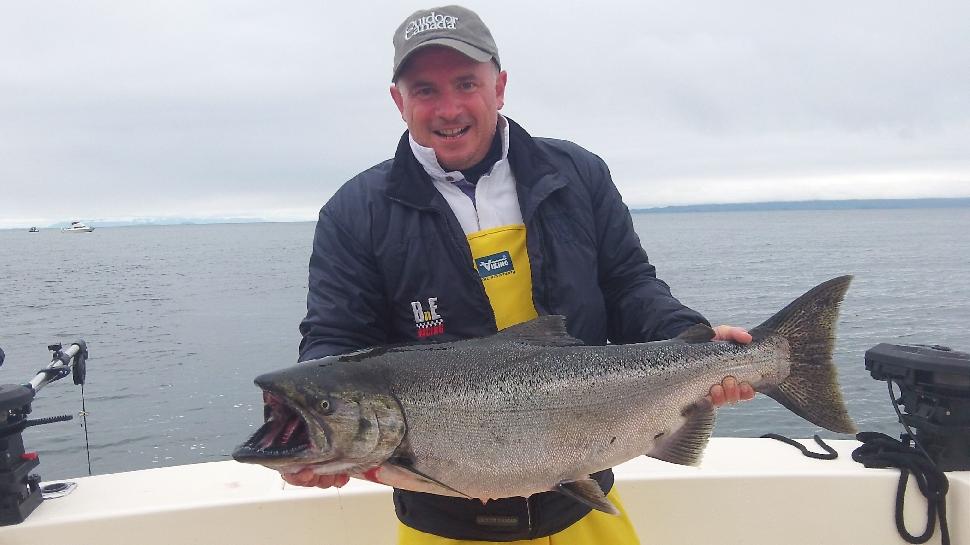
(284, 436)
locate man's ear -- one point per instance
(398, 99)
(500, 82)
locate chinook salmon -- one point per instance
(531, 409)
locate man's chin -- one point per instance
(451, 160)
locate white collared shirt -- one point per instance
(496, 202)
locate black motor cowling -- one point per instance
(934, 385)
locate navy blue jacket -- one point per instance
(387, 238)
(390, 260)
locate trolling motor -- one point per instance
(20, 491)
(934, 385)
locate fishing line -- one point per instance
(84, 424)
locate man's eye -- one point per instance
(468, 86)
(423, 92)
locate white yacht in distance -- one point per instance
(77, 227)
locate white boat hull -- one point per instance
(747, 491)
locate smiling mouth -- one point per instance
(452, 133)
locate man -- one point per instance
(474, 226)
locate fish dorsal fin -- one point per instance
(685, 445)
(543, 331)
(363, 353)
(698, 333)
(587, 491)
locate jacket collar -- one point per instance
(534, 172)
(536, 176)
(408, 182)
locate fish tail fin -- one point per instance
(811, 389)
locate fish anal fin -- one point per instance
(542, 331)
(587, 491)
(686, 445)
(698, 333)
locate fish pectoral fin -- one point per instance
(698, 333)
(685, 445)
(541, 331)
(587, 491)
(411, 469)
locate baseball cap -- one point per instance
(451, 26)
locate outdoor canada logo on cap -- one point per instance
(450, 26)
(433, 21)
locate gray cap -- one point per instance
(451, 26)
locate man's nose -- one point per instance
(449, 105)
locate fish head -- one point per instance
(321, 416)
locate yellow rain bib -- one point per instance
(503, 265)
(596, 528)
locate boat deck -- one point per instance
(747, 491)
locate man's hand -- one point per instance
(732, 333)
(729, 390)
(307, 477)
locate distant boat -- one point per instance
(33, 230)
(77, 227)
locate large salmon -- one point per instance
(531, 409)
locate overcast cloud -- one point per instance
(112, 110)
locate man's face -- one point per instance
(450, 104)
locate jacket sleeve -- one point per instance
(639, 305)
(345, 302)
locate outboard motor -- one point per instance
(20, 491)
(934, 385)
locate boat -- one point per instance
(751, 491)
(77, 227)
(33, 230)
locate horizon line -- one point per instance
(775, 205)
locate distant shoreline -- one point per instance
(845, 204)
(848, 204)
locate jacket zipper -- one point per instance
(460, 245)
(540, 235)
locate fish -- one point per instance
(532, 409)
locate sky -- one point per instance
(201, 109)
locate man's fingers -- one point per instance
(747, 391)
(306, 477)
(716, 395)
(303, 477)
(729, 391)
(732, 333)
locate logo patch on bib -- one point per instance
(490, 266)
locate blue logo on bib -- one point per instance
(493, 265)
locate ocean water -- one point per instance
(180, 319)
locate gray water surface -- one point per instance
(180, 319)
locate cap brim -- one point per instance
(467, 50)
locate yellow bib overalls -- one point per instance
(502, 262)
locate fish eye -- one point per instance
(326, 406)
